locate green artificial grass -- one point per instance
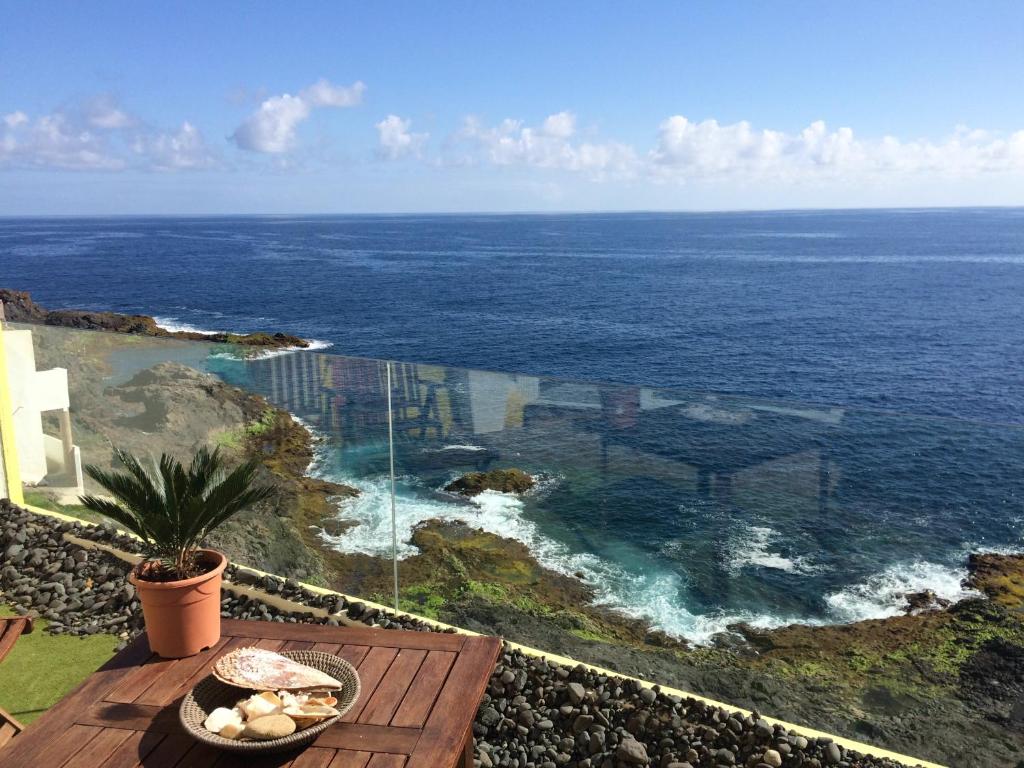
(42, 669)
(45, 501)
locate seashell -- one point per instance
(310, 714)
(261, 705)
(220, 718)
(272, 697)
(292, 699)
(269, 727)
(261, 669)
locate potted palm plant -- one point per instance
(172, 509)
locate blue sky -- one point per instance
(283, 108)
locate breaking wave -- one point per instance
(652, 592)
(174, 325)
(884, 594)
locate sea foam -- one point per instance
(651, 593)
(884, 594)
(752, 548)
(648, 591)
(174, 325)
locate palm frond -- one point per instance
(233, 494)
(173, 509)
(120, 516)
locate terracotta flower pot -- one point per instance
(183, 617)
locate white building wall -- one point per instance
(33, 392)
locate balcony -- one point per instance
(785, 558)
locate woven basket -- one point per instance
(211, 693)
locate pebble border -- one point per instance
(540, 710)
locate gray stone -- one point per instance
(832, 754)
(490, 716)
(632, 752)
(576, 692)
(582, 722)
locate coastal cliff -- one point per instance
(170, 407)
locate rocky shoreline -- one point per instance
(943, 682)
(535, 714)
(20, 308)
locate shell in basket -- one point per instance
(260, 669)
(220, 704)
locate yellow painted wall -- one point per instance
(12, 475)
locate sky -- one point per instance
(258, 107)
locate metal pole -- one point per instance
(394, 524)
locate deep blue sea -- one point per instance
(697, 510)
(919, 311)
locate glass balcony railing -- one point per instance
(734, 547)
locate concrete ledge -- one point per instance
(810, 733)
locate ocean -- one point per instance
(803, 415)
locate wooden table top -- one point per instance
(420, 693)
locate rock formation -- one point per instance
(502, 480)
(20, 308)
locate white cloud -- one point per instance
(686, 150)
(97, 136)
(104, 113)
(271, 128)
(324, 94)
(397, 140)
(53, 141)
(184, 149)
(14, 119)
(560, 126)
(550, 146)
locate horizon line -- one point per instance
(567, 212)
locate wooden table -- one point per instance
(420, 693)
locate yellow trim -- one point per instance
(12, 471)
(801, 730)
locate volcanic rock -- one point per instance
(502, 480)
(20, 308)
